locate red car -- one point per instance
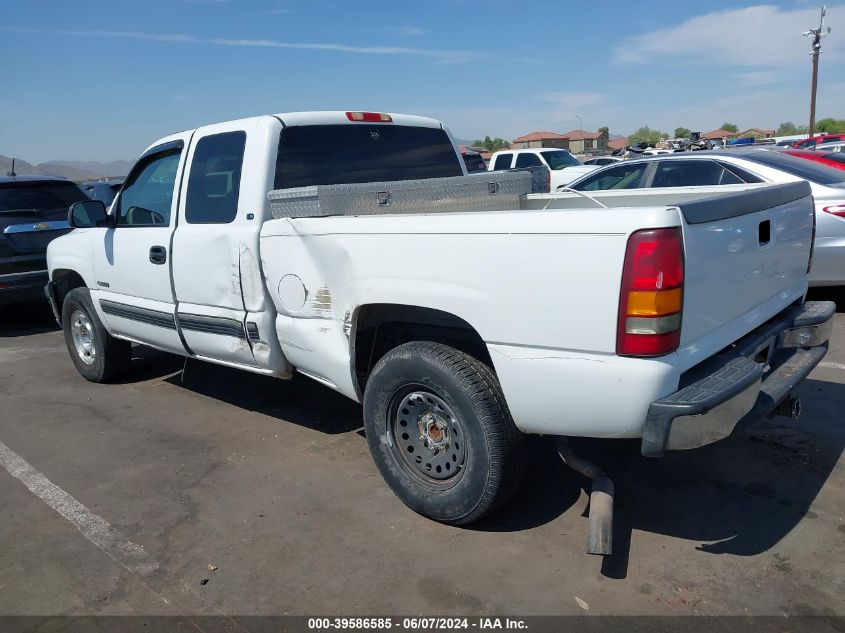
(826, 157)
(815, 140)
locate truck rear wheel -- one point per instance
(440, 432)
(98, 356)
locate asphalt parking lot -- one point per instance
(271, 483)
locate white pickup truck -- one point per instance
(461, 318)
(563, 166)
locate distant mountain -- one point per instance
(95, 168)
(22, 168)
(72, 170)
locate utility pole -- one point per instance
(816, 35)
(581, 134)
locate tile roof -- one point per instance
(720, 133)
(577, 135)
(539, 136)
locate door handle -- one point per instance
(158, 254)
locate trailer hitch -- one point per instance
(600, 531)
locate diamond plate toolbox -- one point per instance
(491, 191)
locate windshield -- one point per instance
(338, 154)
(560, 159)
(801, 167)
(40, 196)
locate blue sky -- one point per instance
(102, 80)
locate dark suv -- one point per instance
(33, 211)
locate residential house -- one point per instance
(757, 132)
(541, 139)
(582, 141)
(719, 134)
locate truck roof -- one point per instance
(531, 150)
(319, 117)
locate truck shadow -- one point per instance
(739, 496)
(25, 319)
(300, 400)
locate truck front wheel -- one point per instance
(440, 432)
(98, 356)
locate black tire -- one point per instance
(109, 357)
(464, 402)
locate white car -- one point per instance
(687, 171)
(460, 320)
(601, 161)
(564, 167)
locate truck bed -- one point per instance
(541, 288)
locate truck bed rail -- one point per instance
(490, 191)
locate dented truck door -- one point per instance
(222, 311)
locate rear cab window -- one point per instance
(215, 179)
(528, 159)
(357, 153)
(503, 161)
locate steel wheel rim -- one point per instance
(428, 437)
(82, 334)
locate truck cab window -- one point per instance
(339, 154)
(148, 193)
(528, 160)
(503, 161)
(215, 179)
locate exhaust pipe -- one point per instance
(600, 531)
(789, 408)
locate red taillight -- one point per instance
(837, 209)
(651, 296)
(370, 117)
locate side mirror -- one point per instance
(87, 214)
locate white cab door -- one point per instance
(132, 262)
(222, 311)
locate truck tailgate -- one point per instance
(746, 260)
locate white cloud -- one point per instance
(763, 35)
(572, 101)
(760, 77)
(412, 31)
(441, 56)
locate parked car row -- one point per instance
(707, 169)
(33, 211)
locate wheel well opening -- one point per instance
(66, 280)
(381, 327)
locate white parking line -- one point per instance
(95, 528)
(832, 365)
